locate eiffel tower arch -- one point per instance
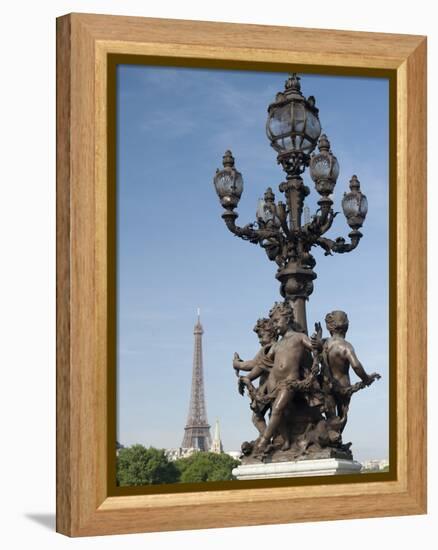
(197, 429)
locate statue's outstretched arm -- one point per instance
(315, 342)
(240, 364)
(356, 365)
(255, 373)
(249, 365)
(307, 341)
(244, 365)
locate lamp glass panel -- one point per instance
(335, 168)
(280, 121)
(363, 206)
(298, 117)
(350, 205)
(320, 167)
(313, 126)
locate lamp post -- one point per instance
(294, 130)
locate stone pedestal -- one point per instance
(297, 468)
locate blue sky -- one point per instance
(175, 253)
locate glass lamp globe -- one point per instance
(355, 205)
(293, 125)
(228, 183)
(324, 168)
(266, 210)
(262, 213)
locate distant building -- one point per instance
(234, 454)
(216, 446)
(375, 465)
(180, 452)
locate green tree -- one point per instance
(206, 467)
(137, 465)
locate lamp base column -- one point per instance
(296, 287)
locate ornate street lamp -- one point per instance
(294, 130)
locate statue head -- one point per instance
(247, 447)
(328, 432)
(282, 316)
(337, 322)
(265, 330)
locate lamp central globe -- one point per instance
(293, 123)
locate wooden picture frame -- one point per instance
(85, 46)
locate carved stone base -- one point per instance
(297, 468)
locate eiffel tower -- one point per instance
(197, 430)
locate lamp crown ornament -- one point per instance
(292, 84)
(228, 159)
(323, 143)
(354, 183)
(269, 195)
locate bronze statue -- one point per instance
(258, 368)
(304, 383)
(338, 355)
(291, 354)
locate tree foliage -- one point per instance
(206, 467)
(137, 465)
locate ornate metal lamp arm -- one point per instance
(328, 222)
(320, 224)
(339, 245)
(355, 207)
(248, 232)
